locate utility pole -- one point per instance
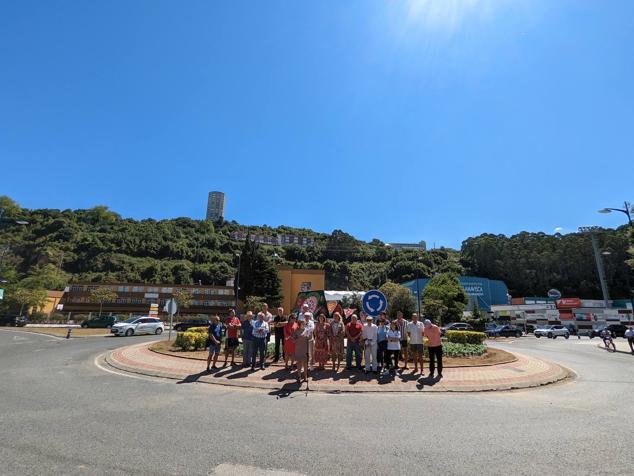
(591, 230)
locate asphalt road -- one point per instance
(60, 414)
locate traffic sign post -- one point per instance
(374, 303)
(171, 307)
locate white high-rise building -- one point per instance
(215, 206)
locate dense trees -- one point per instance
(444, 299)
(97, 244)
(532, 263)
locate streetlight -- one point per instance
(598, 257)
(239, 256)
(627, 209)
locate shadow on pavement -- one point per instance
(427, 381)
(287, 390)
(193, 377)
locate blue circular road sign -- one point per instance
(374, 303)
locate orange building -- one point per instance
(297, 280)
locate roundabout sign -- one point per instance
(374, 303)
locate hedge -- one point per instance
(451, 349)
(465, 337)
(189, 340)
(198, 329)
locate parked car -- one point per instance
(138, 325)
(183, 326)
(552, 332)
(15, 321)
(506, 330)
(617, 330)
(456, 326)
(104, 322)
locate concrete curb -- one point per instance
(556, 374)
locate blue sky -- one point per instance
(400, 120)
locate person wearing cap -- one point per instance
(432, 332)
(309, 330)
(300, 340)
(370, 341)
(353, 334)
(415, 332)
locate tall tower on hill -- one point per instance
(215, 206)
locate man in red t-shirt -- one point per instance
(353, 334)
(232, 324)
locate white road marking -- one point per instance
(227, 469)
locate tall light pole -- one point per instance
(627, 210)
(239, 255)
(592, 231)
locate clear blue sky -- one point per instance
(400, 120)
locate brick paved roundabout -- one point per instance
(525, 372)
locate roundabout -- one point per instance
(516, 371)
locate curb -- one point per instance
(292, 386)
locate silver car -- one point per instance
(552, 332)
(138, 325)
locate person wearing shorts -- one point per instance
(214, 339)
(232, 324)
(415, 332)
(629, 335)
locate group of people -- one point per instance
(304, 341)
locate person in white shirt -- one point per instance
(266, 317)
(415, 333)
(629, 335)
(393, 346)
(369, 335)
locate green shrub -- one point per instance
(198, 329)
(465, 337)
(451, 349)
(199, 340)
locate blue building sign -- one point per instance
(486, 292)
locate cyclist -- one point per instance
(606, 335)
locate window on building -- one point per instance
(76, 288)
(167, 290)
(123, 289)
(138, 289)
(152, 290)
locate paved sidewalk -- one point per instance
(525, 372)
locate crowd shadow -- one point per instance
(427, 381)
(192, 378)
(287, 390)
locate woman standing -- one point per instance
(393, 346)
(300, 340)
(321, 341)
(381, 338)
(336, 335)
(289, 344)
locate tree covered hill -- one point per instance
(97, 244)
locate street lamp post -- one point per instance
(627, 210)
(591, 230)
(239, 255)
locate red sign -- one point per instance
(568, 303)
(566, 315)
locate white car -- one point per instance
(138, 325)
(552, 332)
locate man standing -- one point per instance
(278, 327)
(432, 332)
(370, 339)
(401, 324)
(260, 331)
(415, 333)
(267, 316)
(247, 339)
(231, 343)
(353, 334)
(629, 335)
(214, 338)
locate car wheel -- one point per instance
(518, 334)
(129, 332)
(550, 335)
(158, 331)
(538, 335)
(567, 336)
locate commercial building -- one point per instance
(134, 298)
(481, 291)
(299, 280)
(215, 206)
(280, 239)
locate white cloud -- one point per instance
(559, 229)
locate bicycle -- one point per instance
(609, 342)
